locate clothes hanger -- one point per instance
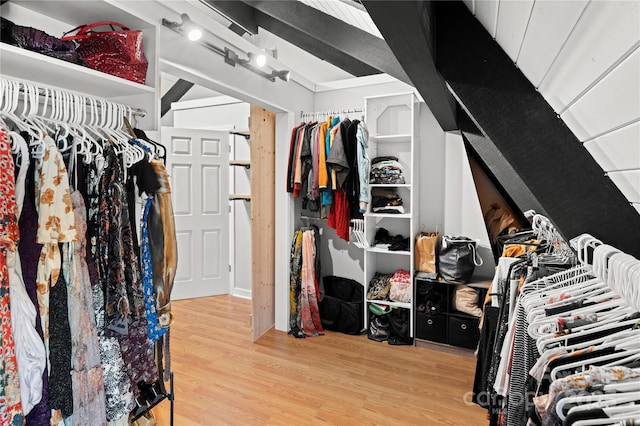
(11, 94)
(541, 344)
(621, 420)
(584, 364)
(596, 400)
(610, 406)
(603, 342)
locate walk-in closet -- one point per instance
(339, 211)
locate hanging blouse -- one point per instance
(154, 329)
(86, 373)
(55, 223)
(10, 402)
(29, 254)
(30, 351)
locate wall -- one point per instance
(462, 211)
(221, 114)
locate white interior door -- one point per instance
(198, 166)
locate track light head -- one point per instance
(283, 75)
(187, 26)
(258, 59)
(194, 32)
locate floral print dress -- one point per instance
(10, 402)
(55, 224)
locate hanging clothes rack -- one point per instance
(322, 114)
(89, 101)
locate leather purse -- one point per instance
(458, 258)
(118, 52)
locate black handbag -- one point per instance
(342, 305)
(458, 258)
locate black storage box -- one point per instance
(463, 331)
(431, 327)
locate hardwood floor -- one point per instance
(222, 378)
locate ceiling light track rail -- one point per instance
(255, 61)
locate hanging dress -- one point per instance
(55, 224)
(120, 277)
(10, 404)
(86, 373)
(30, 352)
(29, 251)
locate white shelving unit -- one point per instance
(392, 121)
(56, 17)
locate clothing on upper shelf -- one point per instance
(76, 344)
(386, 170)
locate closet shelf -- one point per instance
(399, 216)
(386, 251)
(243, 133)
(390, 303)
(390, 185)
(403, 137)
(243, 163)
(27, 65)
(235, 197)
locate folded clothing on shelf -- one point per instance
(386, 170)
(386, 200)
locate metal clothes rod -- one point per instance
(42, 91)
(328, 113)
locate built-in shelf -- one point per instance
(243, 133)
(390, 303)
(242, 163)
(399, 215)
(27, 65)
(387, 251)
(244, 197)
(393, 138)
(390, 185)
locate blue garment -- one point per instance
(327, 195)
(153, 325)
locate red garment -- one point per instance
(340, 214)
(10, 404)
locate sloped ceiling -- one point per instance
(580, 57)
(584, 58)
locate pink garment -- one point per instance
(310, 313)
(10, 402)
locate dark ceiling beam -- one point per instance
(347, 47)
(407, 28)
(521, 128)
(174, 94)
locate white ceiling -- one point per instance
(582, 55)
(584, 58)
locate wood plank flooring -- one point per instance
(223, 378)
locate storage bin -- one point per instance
(463, 331)
(431, 327)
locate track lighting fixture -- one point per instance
(187, 26)
(254, 61)
(283, 75)
(259, 59)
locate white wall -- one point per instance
(584, 58)
(462, 211)
(221, 114)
